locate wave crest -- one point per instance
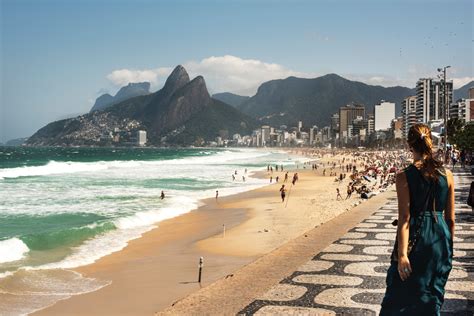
(12, 249)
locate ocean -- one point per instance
(62, 208)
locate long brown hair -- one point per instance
(421, 141)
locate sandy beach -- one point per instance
(155, 271)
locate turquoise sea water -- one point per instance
(62, 208)
(67, 207)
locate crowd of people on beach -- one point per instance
(369, 172)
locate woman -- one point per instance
(416, 278)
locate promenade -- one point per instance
(343, 271)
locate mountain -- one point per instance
(16, 141)
(233, 99)
(313, 101)
(463, 92)
(129, 91)
(181, 113)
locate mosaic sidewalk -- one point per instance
(348, 277)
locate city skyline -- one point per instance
(58, 57)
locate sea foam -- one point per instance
(12, 249)
(52, 167)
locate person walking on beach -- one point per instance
(282, 193)
(339, 196)
(286, 177)
(217, 194)
(295, 178)
(349, 191)
(162, 196)
(422, 256)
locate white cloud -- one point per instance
(222, 74)
(155, 77)
(459, 82)
(243, 76)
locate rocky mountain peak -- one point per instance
(177, 79)
(133, 89)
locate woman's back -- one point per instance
(419, 187)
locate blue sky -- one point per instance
(58, 56)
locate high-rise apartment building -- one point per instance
(358, 124)
(370, 124)
(334, 125)
(141, 138)
(462, 109)
(300, 126)
(408, 114)
(430, 99)
(347, 114)
(265, 134)
(384, 113)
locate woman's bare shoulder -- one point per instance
(401, 176)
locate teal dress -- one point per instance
(431, 258)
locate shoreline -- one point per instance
(160, 267)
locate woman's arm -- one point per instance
(403, 194)
(449, 210)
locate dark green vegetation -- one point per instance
(461, 134)
(231, 98)
(218, 117)
(462, 93)
(313, 101)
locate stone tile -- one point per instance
(328, 279)
(352, 235)
(347, 257)
(380, 221)
(463, 286)
(342, 297)
(315, 266)
(365, 268)
(366, 225)
(458, 273)
(465, 245)
(378, 250)
(386, 236)
(364, 242)
(293, 310)
(375, 230)
(284, 292)
(337, 248)
(376, 217)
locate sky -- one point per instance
(57, 56)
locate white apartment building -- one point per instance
(408, 114)
(141, 138)
(430, 99)
(384, 114)
(463, 110)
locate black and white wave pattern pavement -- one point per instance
(348, 277)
